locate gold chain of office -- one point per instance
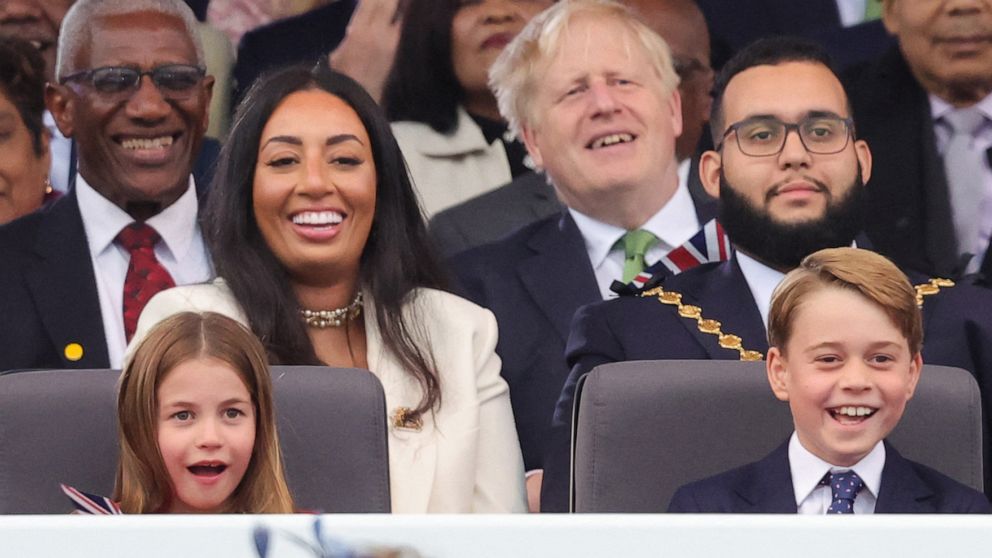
(734, 342)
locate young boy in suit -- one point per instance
(845, 335)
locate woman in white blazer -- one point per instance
(320, 249)
(437, 95)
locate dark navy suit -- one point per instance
(734, 24)
(766, 487)
(909, 203)
(534, 280)
(299, 39)
(48, 291)
(957, 332)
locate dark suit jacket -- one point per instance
(299, 39)
(493, 215)
(737, 23)
(534, 280)
(47, 285)
(734, 24)
(766, 487)
(909, 205)
(957, 332)
(48, 291)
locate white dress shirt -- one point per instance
(674, 224)
(982, 141)
(852, 12)
(807, 470)
(182, 253)
(61, 150)
(761, 280)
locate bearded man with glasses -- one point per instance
(790, 176)
(132, 93)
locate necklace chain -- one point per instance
(333, 318)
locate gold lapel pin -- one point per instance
(73, 352)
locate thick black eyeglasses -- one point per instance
(174, 81)
(764, 136)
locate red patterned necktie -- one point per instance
(145, 275)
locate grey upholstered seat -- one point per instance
(642, 429)
(60, 426)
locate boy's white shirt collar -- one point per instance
(807, 470)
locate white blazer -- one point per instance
(467, 456)
(448, 169)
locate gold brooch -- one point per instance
(931, 288)
(705, 325)
(404, 417)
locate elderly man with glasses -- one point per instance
(790, 176)
(132, 93)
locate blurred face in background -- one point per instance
(948, 45)
(36, 21)
(682, 25)
(22, 169)
(479, 31)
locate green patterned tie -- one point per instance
(635, 245)
(873, 9)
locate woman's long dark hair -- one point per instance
(397, 258)
(422, 86)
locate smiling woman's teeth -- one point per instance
(318, 218)
(147, 143)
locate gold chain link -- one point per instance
(705, 325)
(931, 288)
(734, 342)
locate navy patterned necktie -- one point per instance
(844, 488)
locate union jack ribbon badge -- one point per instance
(710, 244)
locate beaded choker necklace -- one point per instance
(333, 318)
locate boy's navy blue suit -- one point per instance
(533, 281)
(957, 325)
(766, 487)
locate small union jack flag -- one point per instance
(90, 503)
(710, 244)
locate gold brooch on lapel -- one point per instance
(931, 288)
(705, 325)
(404, 417)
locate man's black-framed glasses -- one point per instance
(174, 81)
(764, 136)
